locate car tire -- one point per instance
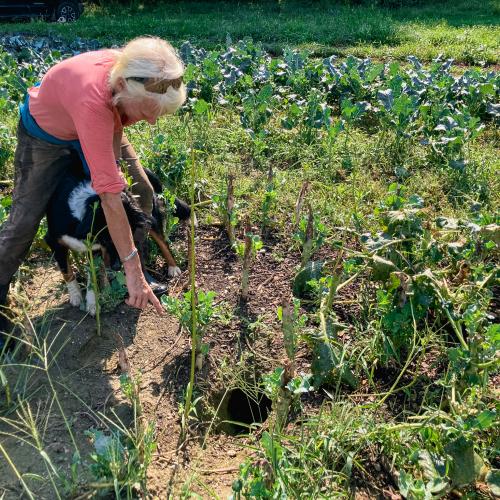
(67, 10)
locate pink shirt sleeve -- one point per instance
(95, 127)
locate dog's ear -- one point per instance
(182, 209)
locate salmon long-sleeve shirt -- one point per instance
(74, 101)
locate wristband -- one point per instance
(130, 256)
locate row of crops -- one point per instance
(429, 104)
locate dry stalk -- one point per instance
(247, 260)
(270, 174)
(304, 190)
(230, 208)
(284, 397)
(309, 237)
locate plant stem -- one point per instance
(300, 200)
(93, 274)
(309, 238)
(16, 472)
(487, 364)
(247, 258)
(95, 288)
(229, 209)
(192, 272)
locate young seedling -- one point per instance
(95, 268)
(247, 251)
(195, 310)
(255, 115)
(121, 457)
(193, 315)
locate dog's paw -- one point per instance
(90, 302)
(75, 294)
(174, 271)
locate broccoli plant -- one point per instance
(308, 116)
(255, 114)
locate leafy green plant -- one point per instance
(6, 151)
(401, 256)
(182, 310)
(451, 136)
(114, 292)
(319, 462)
(350, 113)
(308, 116)
(329, 356)
(5, 203)
(168, 160)
(255, 114)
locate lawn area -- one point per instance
(335, 329)
(468, 31)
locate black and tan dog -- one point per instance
(74, 211)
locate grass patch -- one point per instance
(466, 31)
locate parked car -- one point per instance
(50, 10)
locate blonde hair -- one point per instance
(149, 58)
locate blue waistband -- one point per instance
(34, 130)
